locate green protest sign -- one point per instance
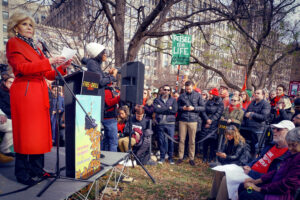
(181, 49)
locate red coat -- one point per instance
(29, 98)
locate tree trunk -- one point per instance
(119, 37)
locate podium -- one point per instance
(82, 135)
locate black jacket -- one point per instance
(190, 99)
(213, 111)
(5, 101)
(144, 123)
(94, 65)
(236, 154)
(284, 114)
(167, 109)
(261, 112)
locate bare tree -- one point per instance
(264, 39)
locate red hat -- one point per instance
(197, 90)
(214, 91)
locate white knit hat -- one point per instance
(93, 49)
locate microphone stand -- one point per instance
(130, 151)
(58, 77)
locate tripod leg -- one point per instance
(137, 160)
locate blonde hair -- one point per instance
(286, 101)
(232, 130)
(15, 20)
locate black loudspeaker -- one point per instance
(132, 85)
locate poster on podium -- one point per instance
(87, 136)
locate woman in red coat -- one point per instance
(29, 98)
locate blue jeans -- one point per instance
(163, 142)
(110, 141)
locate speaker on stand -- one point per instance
(132, 84)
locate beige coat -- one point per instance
(236, 115)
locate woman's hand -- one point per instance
(57, 60)
(229, 121)
(249, 180)
(222, 155)
(66, 64)
(247, 169)
(113, 72)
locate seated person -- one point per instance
(281, 183)
(269, 160)
(6, 146)
(234, 150)
(122, 118)
(139, 125)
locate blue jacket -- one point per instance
(169, 109)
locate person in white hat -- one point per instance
(269, 159)
(97, 54)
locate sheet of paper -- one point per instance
(68, 53)
(234, 176)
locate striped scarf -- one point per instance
(29, 41)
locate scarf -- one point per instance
(275, 101)
(232, 107)
(29, 41)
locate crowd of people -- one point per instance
(186, 123)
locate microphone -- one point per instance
(79, 67)
(44, 45)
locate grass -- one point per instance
(172, 182)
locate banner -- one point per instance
(181, 49)
(87, 136)
(294, 88)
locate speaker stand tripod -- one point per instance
(132, 155)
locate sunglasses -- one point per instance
(277, 129)
(167, 90)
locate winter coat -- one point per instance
(166, 110)
(143, 124)
(283, 182)
(213, 111)
(5, 101)
(235, 154)
(149, 109)
(261, 112)
(236, 115)
(29, 98)
(273, 166)
(190, 99)
(111, 103)
(94, 65)
(284, 114)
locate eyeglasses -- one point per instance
(277, 129)
(167, 90)
(293, 144)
